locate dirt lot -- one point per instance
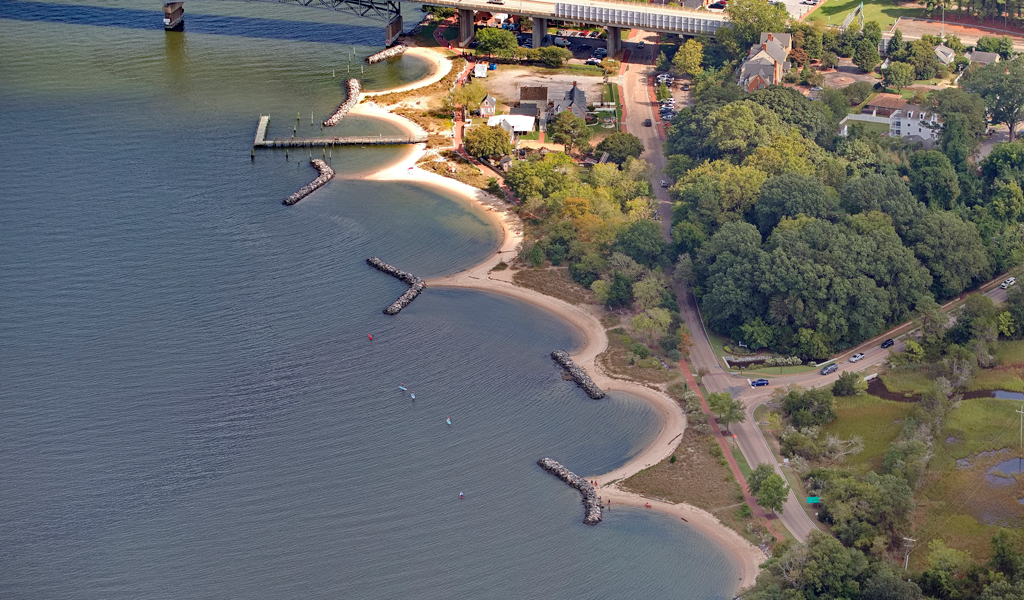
(504, 83)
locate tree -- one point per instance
(726, 410)
(470, 95)
(848, 384)
(1003, 46)
(570, 130)
(662, 92)
(866, 56)
(621, 146)
(829, 60)
(689, 58)
(642, 241)
(789, 195)
(955, 101)
(772, 493)
(758, 476)
(439, 12)
(1002, 86)
(488, 141)
(553, 56)
(952, 251)
(872, 32)
(652, 324)
(749, 18)
(896, 44)
(933, 179)
(662, 64)
(500, 42)
(807, 408)
(898, 76)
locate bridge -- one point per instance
(611, 14)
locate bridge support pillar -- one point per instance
(465, 27)
(614, 41)
(540, 31)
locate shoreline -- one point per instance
(672, 420)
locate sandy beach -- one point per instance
(441, 67)
(587, 320)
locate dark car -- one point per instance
(647, 123)
(829, 369)
(758, 382)
(716, 6)
(686, 87)
(888, 343)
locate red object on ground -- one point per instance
(369, 336)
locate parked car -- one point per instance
(686, 87)
(716, 6)
(640, 45)
(889, 343)
(647, 123)
(593, 60)
(758, 382)
(601, 52)
(664, 183)
(829, 369)
(856, 357)
(1008, 282)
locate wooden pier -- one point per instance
(261, 140)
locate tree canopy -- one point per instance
(499, 42)
(621, 146)
(488, 141)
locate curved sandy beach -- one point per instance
(441, 67)
(480, 277)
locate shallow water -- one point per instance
(191, 406)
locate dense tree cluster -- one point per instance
(805, 243)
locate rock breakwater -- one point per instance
(396, 50)
(591, 504)
(416, 285)
(578, 374)
(353, 88)
(326, 173)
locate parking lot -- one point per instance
(583, 45)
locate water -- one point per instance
(191, 407)
(1004, 395)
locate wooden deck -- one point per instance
(261, 141)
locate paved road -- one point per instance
(640, 106)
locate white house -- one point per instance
(518, 124)
(913, 121)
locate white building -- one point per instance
(913, 121)
(518, 124)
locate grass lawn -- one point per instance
(1000, 378)
(875, 421)
(1011, 352)
(907, 382)
(885, 13)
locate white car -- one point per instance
(1008, 283)
(856, 357)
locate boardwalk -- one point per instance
(261, 140)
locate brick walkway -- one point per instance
(720, 437)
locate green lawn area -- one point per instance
(874, 420)
(1011, 352)
(907, 382)
(885, 13)
(997, 379)
(870, 127)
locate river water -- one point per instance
(190, 405)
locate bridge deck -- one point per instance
(261, 141)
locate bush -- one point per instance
(810, 407)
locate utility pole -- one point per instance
(908, 543)
(1021, 412)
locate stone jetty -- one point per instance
(396, 50)
(326, 173)
(352, 87)
(591, 505)
(416, 285)
(578, 374)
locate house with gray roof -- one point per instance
(575, 100)
(945, 54)
(983, 58)
(766, 62)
